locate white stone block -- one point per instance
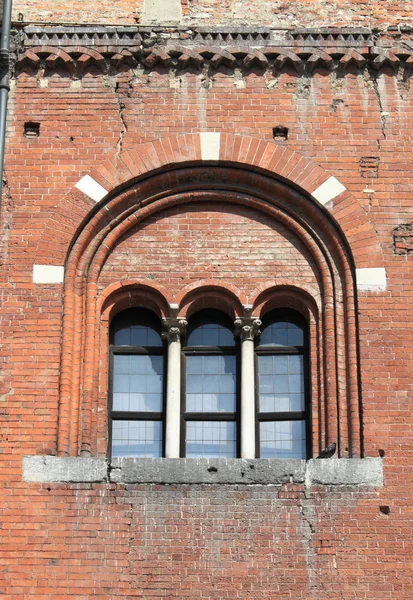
(91, 188)
(328, 190)
(373, 279)
(210, 145)
(48, 274)
(161, 12)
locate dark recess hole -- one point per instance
(381, 453)
(31, 129)
(212, 470)
(280, 132)
(385, 510)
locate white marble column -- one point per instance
(247, 328)
(173, 329)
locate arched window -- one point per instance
(137, 357)
(210, 387)
(282, 389)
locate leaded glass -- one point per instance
(206, 439)
(283, 439)
(211, 334)
(281, 333)
(137, 382)
(281, 383)
(211, 383)
(137, 438)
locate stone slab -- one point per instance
(48, 469)
(342, 471)
(328, 190)
(161, 12)
(91, 188)
(48, 274)
(203, 470)
(345, 471)
(371, 279)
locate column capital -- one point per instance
(247, 327)
(173, 329)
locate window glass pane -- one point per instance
(137, 382)
(136, 335)
(281, 383)
(137, 438)
(282, 439)
(210, 439)
(211, 334)
(282, 334)
(211, 383)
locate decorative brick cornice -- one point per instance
(109, 49)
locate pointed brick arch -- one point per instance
(115, 175)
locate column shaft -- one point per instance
(247, 400)
(174, 328)
(173, 400)
(247, 328)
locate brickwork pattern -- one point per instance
(187, 244)
(305, 13)
(110, 542)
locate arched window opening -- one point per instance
(210, 388)
(282, 387)
(137, 364)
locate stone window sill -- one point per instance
(343, 471)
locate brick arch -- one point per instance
(116, 174)
(162, 183)
(210, 294)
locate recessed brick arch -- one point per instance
(228, 184)
(186, 169)
(116, 174)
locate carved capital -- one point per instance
(247, 328)
(174, 329)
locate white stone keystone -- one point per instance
(48, 274)
(91, 188)
(328, 190)
(210, 145)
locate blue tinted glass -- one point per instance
(283, 439)
(137, 438)
(211, 384)
(282, 334)
(210, 439)
(281, 383)
(211, 334)
(136, 335)
(137, 382)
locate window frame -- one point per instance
(284, 315)
(116, 415)
(210, 351)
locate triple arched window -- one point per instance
(215, 404)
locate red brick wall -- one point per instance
(185, 245)
(110, 542)
(304, 13)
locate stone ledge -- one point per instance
(332, 472)
(49, 469)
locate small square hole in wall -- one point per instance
(280, 132)
(31, 129)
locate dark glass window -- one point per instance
(209, 417)
(282, 386)
(136, 384)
